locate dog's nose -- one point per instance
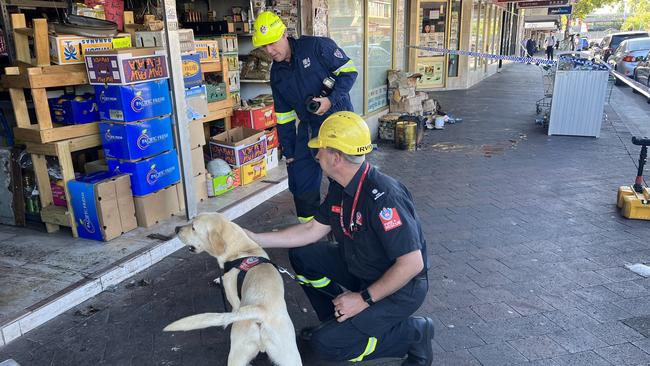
(178, 228)
(192, 248)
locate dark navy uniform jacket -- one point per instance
(384, 226)
(312, 60)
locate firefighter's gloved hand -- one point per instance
(347, 305)
(325, 105)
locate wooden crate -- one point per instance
(223, 108)
(35, 77)
(55, 216)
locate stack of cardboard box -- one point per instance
(244, 149)
(261, 116)
(132, 93)
(403, 97)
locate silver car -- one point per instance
(628, 54)
(642, 71)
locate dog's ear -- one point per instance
(217, 243)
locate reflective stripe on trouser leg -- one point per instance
(370, 348)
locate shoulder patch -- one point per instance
(390, 218)
(338, 53)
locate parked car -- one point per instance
(611, 42)
(642, 71)
(628, 54)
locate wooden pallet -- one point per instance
(56, 216)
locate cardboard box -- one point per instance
(157, 39)
(136, 140)
(233, 62)
(103, 205)
(196, 101)
(192, 75)
(159, 205)
(151, 174)
(135, 102)
(253, 171)
(197, 134)
(122, 40)
(96, 166)
(241, 27)
(208, 50)
(272, 138)
(229, 44)
(69, 49)
(272, 159)
(200, 187)
(198, 161)
(74, 109)
(216, 92)
(258, 118)
(238, 146)
(233, 80)
(126, 66)
(224, 183)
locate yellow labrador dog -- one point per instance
(260, 321)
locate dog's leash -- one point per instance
(285, 271)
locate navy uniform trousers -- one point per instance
(381, 330)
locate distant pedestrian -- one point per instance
(549, 43)
(530, 47)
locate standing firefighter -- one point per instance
(379, 258)
(311, 78)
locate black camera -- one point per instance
(326, 89)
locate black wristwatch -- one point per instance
(365, 295)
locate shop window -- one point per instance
(490, 33)
(474, 34)
(454, 38)
(346, 26)
(380, 46)
(480, 43)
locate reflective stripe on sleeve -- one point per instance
(347, 67)
(370, 348)
(285, 117)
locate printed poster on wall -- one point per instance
(432, 73)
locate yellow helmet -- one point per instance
(344, 131)
(268, 28)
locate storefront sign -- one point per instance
(541, 3)
(560, 10)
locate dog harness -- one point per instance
(244, 265)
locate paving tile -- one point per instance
(624, 354)
(618, 274)
(458, 317)
(597, 294)
(628, 289)
(570, 318)
(638, 306)
(494, 311)
(591, 278)
(614, 332)
(563, 300)
(577, 340)
(489, 279)
(640, 324)
(530, 305)
(537, 347)
(604, 312)
(588, 358)
(457, 358)
(457, 338)
(497, 354)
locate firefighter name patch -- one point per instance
(249, 263)
(390, 218)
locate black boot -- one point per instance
(421, 352)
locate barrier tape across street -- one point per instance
(540, 61)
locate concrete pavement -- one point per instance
(527, 251)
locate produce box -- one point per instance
(192, 75)
(200, 187)
(238, 146)
(58, 194)
(258, 118)
(229, 44)
(126, 66)
(216, 92)
(197, 134)
(272, 138)
(160, 205)
(233, 62)
(133, 102)
(157, 39)
(136, 140)
(272, 159)
(196, 101)
(69, 49)
(233, 80)
(103, 205)
(208, 50)
(224, 183)
(74, 109)
(151, 174)
(253, 171)
(198, 161)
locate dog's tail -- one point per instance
(206, 320)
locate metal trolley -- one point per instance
(543, 105)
